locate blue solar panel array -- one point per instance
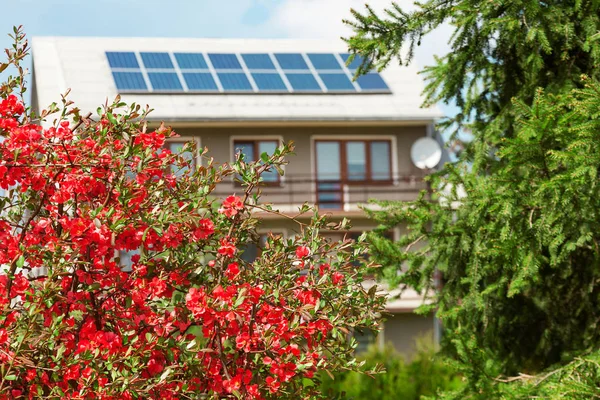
(240, 73)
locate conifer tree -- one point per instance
(520, 253)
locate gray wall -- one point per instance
(301, 165)
(404, 330)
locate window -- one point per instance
(364, 338)
(251, 250)
(354, 161)
(343, 162)
(252, 149)
(176, 147)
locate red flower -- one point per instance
(231, 206)
(20, 285)
(308, 296)
(71, 373)
(11, 106)
(337, 277)
(273, 384)
(153, 139)
(87, 372)
(284, 371)
(196, 301)
(158, 287)
(241, 342)
(323, 268)
(253, 391)
(156, 363)
(204, 230)
(31, 375)
(302, 251)
(172, 237)
(232, 271)
(232, 384)
(227, 248)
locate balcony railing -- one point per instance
(294, 190)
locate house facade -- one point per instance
(352, 138)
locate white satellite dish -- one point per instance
(426, 153)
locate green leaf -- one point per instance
(110, 116)
(307, 382)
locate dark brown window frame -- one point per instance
(344, 161)
(256, 156)
(263, 236)
(169, 142)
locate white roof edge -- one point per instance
(340, 43)
(299, 119)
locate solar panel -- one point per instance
(243, 72)
(122, 59)
(355, 63)
(291, 61)
(336, 81)
(303, 82)
(157, 60)
(129, 81)
(235, 81)
(258, 61)
(224, 61)
(371, 81)
(324, 61)
(165, 81)
(268, 81)
(200, 81)
(191, 61)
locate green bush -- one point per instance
(424, 375)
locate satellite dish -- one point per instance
(426, 153)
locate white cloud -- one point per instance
(323, 19)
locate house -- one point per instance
(352, 138)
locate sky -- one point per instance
(199, 18)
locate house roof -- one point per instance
(80, 64)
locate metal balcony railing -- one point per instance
(335, 194)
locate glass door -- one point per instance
(330, 193)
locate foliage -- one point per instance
(519, 255)
(424, 375)
(577, 380)
(500, 49)
(191, 319)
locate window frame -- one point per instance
(197, 160)
(265, 234)
(344, 178)
(235, 140)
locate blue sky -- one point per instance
(197, 18)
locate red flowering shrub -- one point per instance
(191, 319)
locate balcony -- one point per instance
(333, 196)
